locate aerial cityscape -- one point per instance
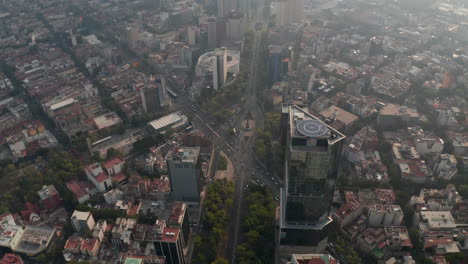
(234, 131)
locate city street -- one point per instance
(248, 170)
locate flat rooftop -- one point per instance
(166, 121)
(304, 125)
(107, 120)
(185, 154)
(339, 114)
(35, 239)
(438, 219)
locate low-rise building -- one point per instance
(114, 166)
(112, 196)
(82, 220)
(173, 121)
(435, 221)
(35, 239)
(348, 212)
(98, 177)
(10, 258)
(100, 229)
(444, 166)
(90, 247)
(312, 258)
(394, 116)
(380, 215)
(50, 198)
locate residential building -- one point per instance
(100, 229)
(50, 198)
(393, 116)
(312, 150)
(312, 258)
(73, 245)
(111, 197)
(10, 235)
(122, 231)
(82, 220)
(114, 166)
(10, 258)
(445, 166)
(384, 215)
(183, 174)
(98, 177)
(398, 238)
(90, 247)
(348, 212)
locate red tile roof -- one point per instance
(102, 177)
(10, 258)
(119, 177)
(73, 243)
(170, 235)
(112, 162)
(76, 189)
(89, 244)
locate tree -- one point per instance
(220, 260)
(463, 190)
(111, 152)
(222, 163)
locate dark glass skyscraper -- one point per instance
(312, 155)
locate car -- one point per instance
(273, 179)
(276, 198)
(263, 184)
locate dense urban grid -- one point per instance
(234, 131)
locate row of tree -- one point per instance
(267, 147)
(216, 216)
(258, 227)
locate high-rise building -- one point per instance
(235, 26)
(183, 174)
(279, 61)
(211, 30)
(154, 95)
(132, 36)
(220, 68)
(226, 6)
(169, 245)
(178, 218)
(192, 35)
(288, 11)
(312, 157)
